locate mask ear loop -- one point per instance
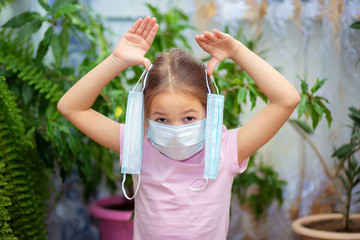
(146, 76)
(212, 80)
(200, 188)
(124, 190)
(124, 175)
(206, 179)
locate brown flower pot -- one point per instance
(302, 226)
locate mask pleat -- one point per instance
(213, 132)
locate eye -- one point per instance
(189, 119)
(161, 120)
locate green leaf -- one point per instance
(44, 5)
(322, 98)
(318, 108)
(252, 95)
(302, 105)
(318, 85)
(344, 151)
(355, 115)
(355, 25)
(304, 85)
(27, 30)
(241, 97)
(20, 20)
(314, 116)
(155, 12)
(180, 13)
(74, 144)
(328, 117)
(303, 125)
(67, 9)
(59, 4)
(64, 39)
(57, 50)
(44, 44)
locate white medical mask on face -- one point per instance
(177, 142)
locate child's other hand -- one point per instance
(134, 44)
(219, 45)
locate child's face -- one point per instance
(176, 108)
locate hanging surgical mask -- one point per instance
(133, 135)
(213, 134)
(177, 142)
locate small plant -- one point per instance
(259, 186)
(312, 105)
(348, 166)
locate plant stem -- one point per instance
(316, 150)
(347, 206)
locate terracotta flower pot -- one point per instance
(300, 226)
(113, 215)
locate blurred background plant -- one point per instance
(347, 167)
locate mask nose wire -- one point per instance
(207, 82)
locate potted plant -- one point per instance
(347, 177)
(115, 217)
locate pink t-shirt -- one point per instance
(166, 209)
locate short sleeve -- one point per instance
(229, 145)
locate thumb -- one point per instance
(146, 63)
(211, 65)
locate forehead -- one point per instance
(171, 100)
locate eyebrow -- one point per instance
(183, 113)
(158, 113)
(189, 111)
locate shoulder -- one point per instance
(229, 134)
(229, 142)
(229, 148)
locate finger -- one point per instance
(146, 63)
(148, 28)
(210, 36)
(135, 26)
(219, 34)
(142, 26)
(211, 65)
(200, 39)
(150, 38)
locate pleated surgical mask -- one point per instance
(177, 142)
(134, 134)
(213, 135)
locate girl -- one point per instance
(174, 98)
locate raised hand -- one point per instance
(134, 44)
(219, 45)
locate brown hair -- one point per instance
(179, 70)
